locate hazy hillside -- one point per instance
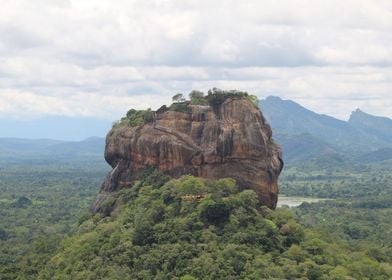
(305, 147)
(376, 156)
(19, 146)
(27, 151)
(378, 126)
(55, 127)
(305, 135)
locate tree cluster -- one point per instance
(214, 98)
(157, 232)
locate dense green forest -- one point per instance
(190, 228)
(338, 180)
(39, 205)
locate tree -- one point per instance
(3, 234)
(214, 212)
(196, 94)
(197, 97)
(253, 99)
(178, 98)
(23, 202)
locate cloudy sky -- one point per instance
(98, 58)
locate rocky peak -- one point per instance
(229, 138)
(380, 127)
(358, 113)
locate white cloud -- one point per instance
(23, 104)
(218, 50)
(100, 57)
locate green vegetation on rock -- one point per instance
(214, 98)
(217, 96)
(197, 98)
(135, 118)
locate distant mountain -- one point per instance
(304, 147)
(378, 126)
(16, 150)
(288, 117)
(89, 146)
(18, 146)
(376, 156)
(61, 128)
(306, 135)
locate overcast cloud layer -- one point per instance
(100, 58)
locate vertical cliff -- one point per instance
(226, 139)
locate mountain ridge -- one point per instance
(20, 150)
(54, 127)
(299, 145)
(377, 125)
(361, 134)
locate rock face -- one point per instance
(229, 140)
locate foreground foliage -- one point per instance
(190, 228)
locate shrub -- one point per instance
(217, 96)
(135, 118)
(23, 202)
(107, 206)
(197, 98)
(3, 234)
(178, 98)
(182, 107)
(153, 177)
(213, 212)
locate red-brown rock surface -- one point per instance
(231, 140)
